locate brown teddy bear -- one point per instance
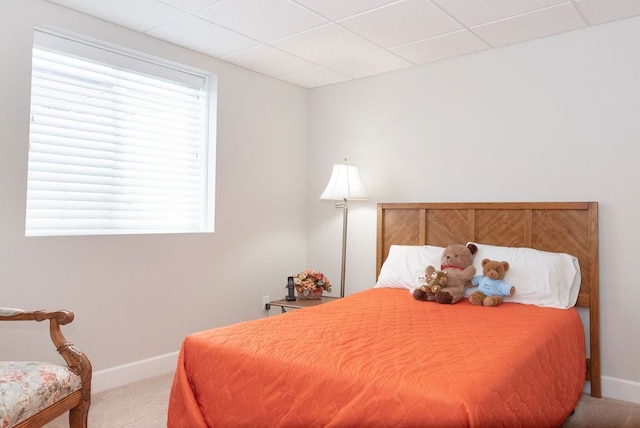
(436, 281)
(491, 285)
(457, 262)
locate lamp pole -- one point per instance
(345, 211)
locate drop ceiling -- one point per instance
(313, 43)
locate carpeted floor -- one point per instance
(138, 405)
(144, 405)
(604, 413)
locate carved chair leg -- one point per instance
(79, 415)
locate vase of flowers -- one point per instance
(310, 284)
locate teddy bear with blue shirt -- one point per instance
(492, 288)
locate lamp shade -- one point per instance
(344, 184)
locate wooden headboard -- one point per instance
(564, 227)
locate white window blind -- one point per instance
(118, 144)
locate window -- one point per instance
(118, 143)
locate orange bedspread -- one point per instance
(380, 358)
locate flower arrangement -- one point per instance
(310, 281)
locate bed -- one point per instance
(381, 358)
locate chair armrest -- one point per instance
(76, 360)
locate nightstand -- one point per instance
(299, 304)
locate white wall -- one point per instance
(555, 119)
(136, 297)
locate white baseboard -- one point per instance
(621, 389)
(618, 389)
(132, 372)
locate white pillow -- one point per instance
(541, 278)
(405, 263)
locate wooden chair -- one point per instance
(33, 393)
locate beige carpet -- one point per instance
(604, 413)
(144, 405)
(138, 405)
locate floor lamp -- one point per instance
(344, 185)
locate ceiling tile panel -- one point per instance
(474, 12)
(441, 47)
(542, 23)
(369, 65)
(268, 60)
(401, 22)
(314, 77)
(599, 11)
(337, 9)
(325, 44)
(263, 20)
(203, 36)
(139, 15)
(190, 5)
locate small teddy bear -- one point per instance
(491, 285)
(436, 282)
(457, 261)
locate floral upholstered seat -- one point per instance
(27, 387)
(33, 393)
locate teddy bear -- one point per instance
(457, 262)
(436, 281)
(491, 284)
